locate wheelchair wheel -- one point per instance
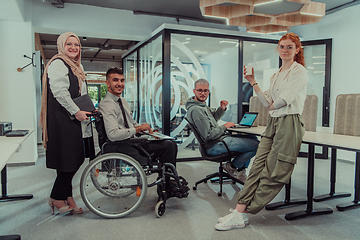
(113, 185)
(160, 209)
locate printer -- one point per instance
(5, 127)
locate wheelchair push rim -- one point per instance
(113, 185)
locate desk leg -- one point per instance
(5, 197)
(287, 201)
(310, 192)
(332, 193)
(355, 203)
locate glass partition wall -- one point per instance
(150, 84)
(264, 58)
(164, 68)
(131, 89)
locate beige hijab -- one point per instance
(75, 68)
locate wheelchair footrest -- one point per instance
(181, 191)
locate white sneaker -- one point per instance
(231, 221)
(245, 217)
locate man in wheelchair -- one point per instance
(121, 129)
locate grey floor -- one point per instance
(190, 218)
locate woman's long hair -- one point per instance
(299, 57)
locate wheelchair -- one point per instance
(113, 185)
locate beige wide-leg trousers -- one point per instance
(274, 161)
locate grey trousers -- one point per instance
(274, 161)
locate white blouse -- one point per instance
(290, 86)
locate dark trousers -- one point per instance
(165, 150)
(62, 188)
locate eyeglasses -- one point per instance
(202, 90)
(282, 47)
(71, 44)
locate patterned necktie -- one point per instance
(123, 113)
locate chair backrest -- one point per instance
(309, 114)
(263, 112)
(198, 137)
(100, 128)
(347, 114)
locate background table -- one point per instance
(8, 146)
(336, 141)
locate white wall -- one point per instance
(343, 28)
(17, 91)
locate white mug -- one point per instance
(248, 70)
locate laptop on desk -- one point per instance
(247, 120)
(17, 133)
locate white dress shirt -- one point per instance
(113, 118)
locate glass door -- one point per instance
(318, 63)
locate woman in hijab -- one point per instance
(63, 124)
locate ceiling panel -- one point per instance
(93, 49)
(99, 49)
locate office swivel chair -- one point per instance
(220, 159)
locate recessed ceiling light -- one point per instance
(226, 41)
(276, 32)
(266, 3)
(226, 19)
(255, 32)
(311, 14)
(187, 39)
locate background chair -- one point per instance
(220, 159)
(347, 122)
(263, 112)
(309, 114)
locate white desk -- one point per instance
(338, 141)
(8, 146)
(334, 141)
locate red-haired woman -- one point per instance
(280, 143)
